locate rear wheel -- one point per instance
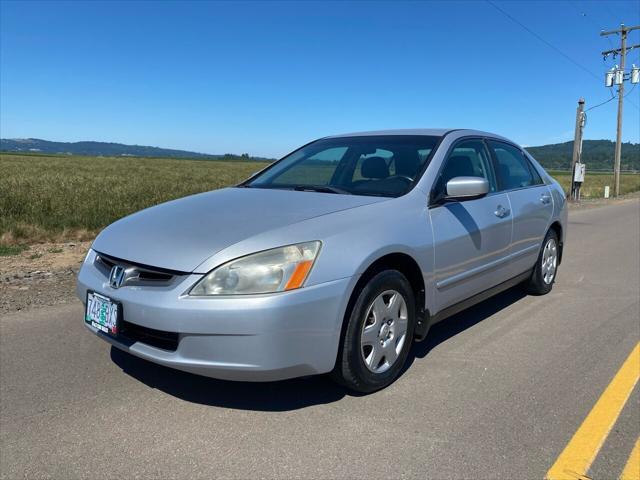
(544, 273)
(378, 334)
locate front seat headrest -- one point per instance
(375, 167)
(459, 166)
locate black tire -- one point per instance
(351, 370)
(537, 285)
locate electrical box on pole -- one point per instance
(618, 76)
(608, 80)
(635, 74)
(578, 179)
(580, 170)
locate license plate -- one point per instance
(102, 313)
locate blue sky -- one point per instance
(265, 77)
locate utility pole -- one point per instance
(622, 51)
(577, 146)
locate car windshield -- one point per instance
(380, 165)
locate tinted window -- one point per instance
(424, 154)
(511, 167)
(317, 168)
(385, 154)
(385, 165)
(469, 158)
(537, 179)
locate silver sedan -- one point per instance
(333, 259)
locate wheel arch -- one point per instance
(405, 264)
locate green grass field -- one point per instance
(59, 198)
(49, 198)
(595, 182)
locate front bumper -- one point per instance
(249, 338)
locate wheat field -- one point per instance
(59, 198)
(46, 198)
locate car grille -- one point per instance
(149, 336)
(136, 274)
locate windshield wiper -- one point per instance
(321, 189)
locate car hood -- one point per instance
(181, 234)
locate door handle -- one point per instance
(501, 212)
(545, 199)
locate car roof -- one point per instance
(439, 132)
(406, 131)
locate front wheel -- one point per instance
(544, 273)
(378, 334)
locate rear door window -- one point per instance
(512, 169)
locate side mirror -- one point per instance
(467, 188)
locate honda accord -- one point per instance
(334, 259)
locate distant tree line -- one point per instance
(37, 146)
(597, 154)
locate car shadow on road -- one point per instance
(263, 396)
(296, 393)
(452, 326)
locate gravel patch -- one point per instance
(42, 275)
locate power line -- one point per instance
(583, 13)
(614, 97)
(600, 104)
(549, 44)
(613, 16)
(629, 100)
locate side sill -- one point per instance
(431, 320)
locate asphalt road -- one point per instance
(495, 392)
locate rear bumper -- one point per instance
(250, 338)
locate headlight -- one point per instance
(276, 270)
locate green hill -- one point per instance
(597, 154)
(108, 149)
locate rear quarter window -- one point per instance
(534, 171)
